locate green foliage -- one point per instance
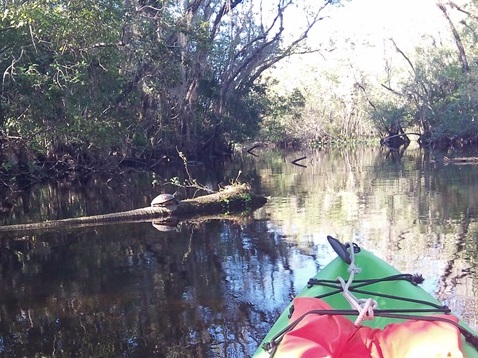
(327, 108)
(138, 74)
(427, 91)
(284, 112)
(439, 99)
(389, 115)
(60, 67)
(246, 114)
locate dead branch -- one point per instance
(403, 55)
(295, 162)
(250, 150)
(392, 90)
(453, 5)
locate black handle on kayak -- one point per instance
(341, 249)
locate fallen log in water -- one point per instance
(461, 160)
(234, 198)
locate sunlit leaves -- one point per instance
(438, 97)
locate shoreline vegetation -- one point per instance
(23, 168)
(106, 86)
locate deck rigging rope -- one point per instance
(273, 344)
(365, 307)
(368, 308)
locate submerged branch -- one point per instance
(295, 162)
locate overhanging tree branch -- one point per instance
(260, 58)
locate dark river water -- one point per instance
(213, 288)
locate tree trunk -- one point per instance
(461, 50)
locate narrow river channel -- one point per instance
(213, 289)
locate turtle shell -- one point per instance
(164, 200)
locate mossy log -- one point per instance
(232, 199)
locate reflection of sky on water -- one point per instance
(420, 217)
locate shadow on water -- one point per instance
(131, 291)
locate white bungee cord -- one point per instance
(364, 307)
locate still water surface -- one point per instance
(213, 289)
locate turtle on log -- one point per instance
(165, 200)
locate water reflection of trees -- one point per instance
(416, 211)
(52, 200)
(214, 289)
(126, 290)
